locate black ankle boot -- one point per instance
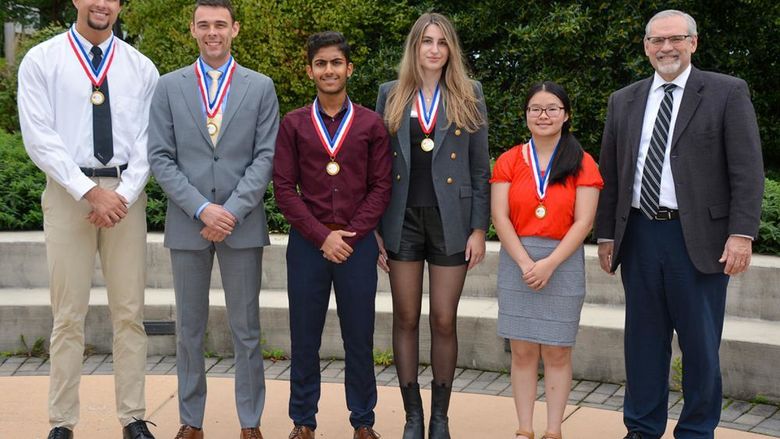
(415, 420)
(440, 404)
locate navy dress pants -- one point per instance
(665, 293)
(309, 280)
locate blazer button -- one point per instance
(213, 190)
(457, 132)
(453, 156)
(216, 159)
(450, 180)
(398, 177)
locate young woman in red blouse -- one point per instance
(543, 202)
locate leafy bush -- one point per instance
(769, 231)
(22, 184)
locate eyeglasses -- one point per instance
(674, 39)
(552, 112)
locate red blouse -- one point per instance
(511, 167)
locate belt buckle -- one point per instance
(663, 214)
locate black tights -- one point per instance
(446, 285)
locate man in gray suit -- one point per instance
(211, 142)
(683, 173)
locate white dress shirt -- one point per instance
(668, 197)
(55, 113)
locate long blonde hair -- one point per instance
(458, 89)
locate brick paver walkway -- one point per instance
(739, 415)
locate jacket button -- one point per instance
(453, 156)
(398, 177)
(395, 153)
(216, 159)
(213, 190)
(457, 132)
(449, 180)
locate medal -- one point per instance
(97, 97)
(96, 75)
(223, 85)
(212, 128)
(333, 144)
(542, 181)
(427, 117)
(332, 168)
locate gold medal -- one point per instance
(332, 168)
(540, 211)
(212, 128)
(97, 97)
(427, 144)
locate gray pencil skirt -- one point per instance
(550, 316)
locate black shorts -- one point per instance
(422, 239)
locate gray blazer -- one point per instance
(460, 170)
(234, 174)
(715, 158)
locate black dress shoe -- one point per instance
(137, 430)
(633, 435)
(60, 433)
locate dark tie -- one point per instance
(103, 142)
(654, 162)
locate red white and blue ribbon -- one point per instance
(223, 85)
(427, 116)
(332, 144)
(95, 75)
(542, 181)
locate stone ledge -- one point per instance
(749, 352)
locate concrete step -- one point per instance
(755, 294)
(749, 353)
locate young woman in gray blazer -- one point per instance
(439, 209)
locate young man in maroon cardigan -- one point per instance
(332, 183)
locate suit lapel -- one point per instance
(403, 138)
(442, 124)
(690, 101)
(238, 88)
(191, 93)
(636, 116)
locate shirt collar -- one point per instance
(679, 81)
(222, 68)
(344, 107)
(87, 45)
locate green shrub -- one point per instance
(769, 231)
(22, 184)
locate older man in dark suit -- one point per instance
(681, 160)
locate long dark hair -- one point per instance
(568, 159)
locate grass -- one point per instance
(38, 349)
(383, 358)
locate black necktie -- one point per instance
(103, 142)
(649, 198)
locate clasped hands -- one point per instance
(335, 249)
(219, 223)
(108, 207)
(536, 274)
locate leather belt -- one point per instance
(663, 214)
(115, 172)
(334, 226)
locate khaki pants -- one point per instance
(71, 245)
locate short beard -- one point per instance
(670, 68)
(96, 26)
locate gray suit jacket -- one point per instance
(234, 174)
(460, 170)
(715, 158)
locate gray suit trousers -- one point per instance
(241, 274)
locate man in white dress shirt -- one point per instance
(91, 143)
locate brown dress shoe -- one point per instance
(365, 432)
(301, 432)
(187, 432)
(251, 433)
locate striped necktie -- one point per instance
(654, 162)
